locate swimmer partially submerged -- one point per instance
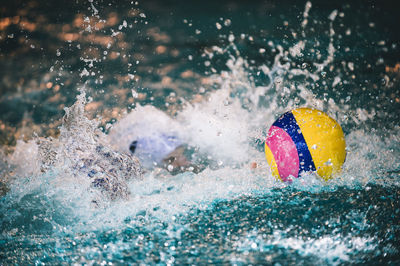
(108, 170)
(81, 152)
(160, 150)
(109, 162)
(155, 139)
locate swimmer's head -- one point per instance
(147, 133)
(153, 149)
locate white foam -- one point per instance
(219, 126)
(331, 249)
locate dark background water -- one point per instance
(43, 43)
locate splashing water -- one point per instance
(82, 197)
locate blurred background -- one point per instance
(49, 49)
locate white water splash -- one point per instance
(80, 152)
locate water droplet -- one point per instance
(314, 147)
(134, 94)
(227, 22)
(328, 163)
(278, 80)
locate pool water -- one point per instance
(76, 76)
